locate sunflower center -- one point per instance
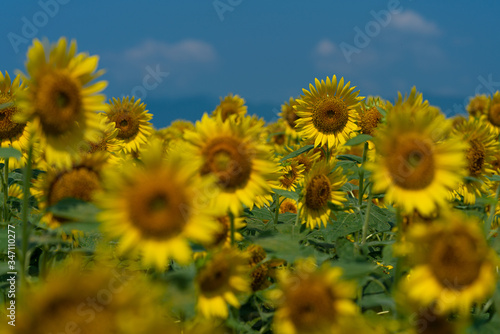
(228, 109)
(289, 178)
(475, 157)
(214, 277)
(369, 121)
(456, 260)
(126, 123)
(411, 164)
(311, 305)
(259, 277)
(291, 117)
(58, 103)
(157, 207)
(318, 192)
(221, 235)
(288, 206)
(9, 129)
(229, 161)
(330, 115)
(494, 114)
(80, 183)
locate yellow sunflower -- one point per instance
(313, 300)
(289, 114)
(288, 205)
(327, 112)
(12, 134)
(230, 105)
(418, 161)
(369, 116)
(132, 121)
(478, 105)
(483, 147)
(107, 141)
(154, 208)
(81, 181)
(319, 188)
(222, 237)
(454, 266)
(101, 300)
(292, 173)
(61, 99)
(231, 152)
(220, 280)
(492, 112)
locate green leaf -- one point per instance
(494, 177)
(359, 139)
(284, 247)
(297, 152)
(81, 215)
(10, 152)
(382, 111)
(346, 223)
(350, 157)
(6, 105)
(287, 194)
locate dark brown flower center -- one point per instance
(369, 121)
(126, 122)
(214, 276)
(318, 192)
(494, 114)
(330, 115)
(475, 158)
(9, 129)
(80, 183)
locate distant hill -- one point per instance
(167, 110)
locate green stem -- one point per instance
(231, 219)
(277, 210)
(367, 218)
(362, 175)
(24, 214)
(5, 189)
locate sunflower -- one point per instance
(61, 101)
(101, 300)
(320, 187)
(289, 114)
(154, 208)
(492, 112)
(288, 205)
(223, 276)
(232, 153)
(418, 161)
(292, 173)
(478, 105)
(107, 141)
(327, 112)
(230, 105)
(313, 300)
(132, 121)
(222, 237)
(454, 266)
(80, 181)
(306, 159)
(275, 134)
(12, 134)
(369, 115)
(483, 147)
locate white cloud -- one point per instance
(325, 48)
(185, 51)
(413, 22)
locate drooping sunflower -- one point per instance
(327, 112)
(107, 141)
(103, 300)
(320, 187)
(483, 147)
(230, 105)
(80, 181)
(418, 162)
(61, 99)
(224, 276)
(156, 207)
(454, 266)
(313, 300)
(232, 153)
(12, 134)
(132, 121)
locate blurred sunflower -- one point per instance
(418, 162)
(288, 205)
(80, 181)
(230, 105)
(61, 101)
(313, 300)
(483, 147)
(289, 114)
(154, 208)
(369, 115)
(107, 141)
(222, 237)
(12, 134)
(231, 152)
(493, 111)
(292, 173)
(320, 187)
(98, 301)
(478, 105)
(454, 266)
(306, 159)
(327, 112)
(220, 280)
(132, 121)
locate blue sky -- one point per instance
(267, 51)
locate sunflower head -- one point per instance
(327, 112)
(289, 114)
(11, 132)
(61, 99)
(132, 121)
(493, 110)
(478, 105)
(229, 106)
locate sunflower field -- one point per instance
(349, 214)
